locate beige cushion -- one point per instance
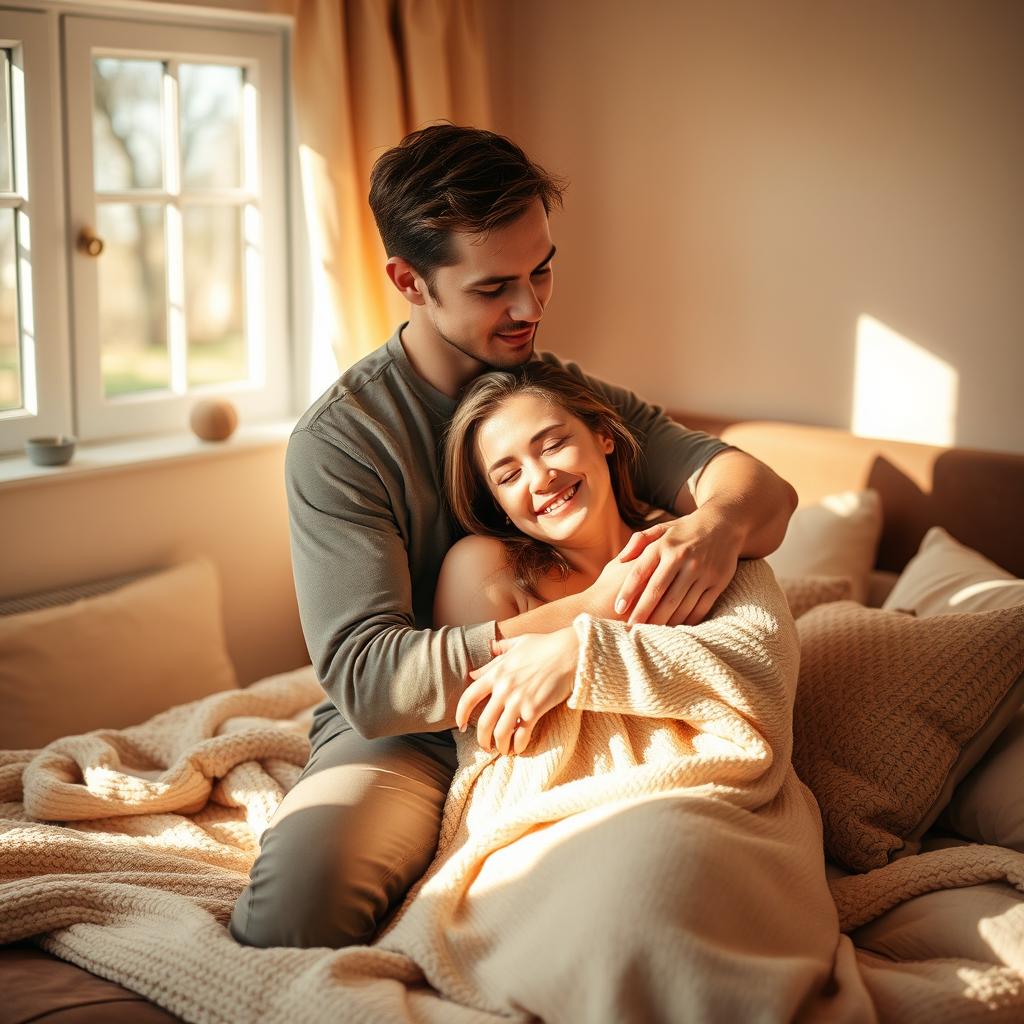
(112, 660)
(808, 592)
(837, 537)
(885, 707)
(945, 576)
(988, 804)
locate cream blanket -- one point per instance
(651, 857)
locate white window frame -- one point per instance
(268, 393)
(42, 290)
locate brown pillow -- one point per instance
(806, 592)
(945, 575)
(885, 707)
(112, 660)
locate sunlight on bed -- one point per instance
(993, 987)
(1003, 933)
(901, 391)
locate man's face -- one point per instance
(489, 303)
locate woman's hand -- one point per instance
(530, 675)
(679, 569)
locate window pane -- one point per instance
(210, 100)
(126, 123)
(214, 297)
(10, 349)
(6, 177)
(133, 304)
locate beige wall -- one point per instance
(750, 179)
(229, 507)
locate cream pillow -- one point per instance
(945, 576)
(886, 707)
(112, 660)
(837, 537)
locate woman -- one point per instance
(544, 516)
(635, 856)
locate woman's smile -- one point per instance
(559, 503)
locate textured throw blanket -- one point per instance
(651, 857)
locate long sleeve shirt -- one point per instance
(369, 531)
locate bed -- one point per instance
(929, 884)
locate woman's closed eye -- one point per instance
(551, 446)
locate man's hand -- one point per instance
(530, 675)
(679, 569)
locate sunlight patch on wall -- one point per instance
(901, 391)
(323, 363)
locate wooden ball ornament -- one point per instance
(213, 419)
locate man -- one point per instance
(463, 215)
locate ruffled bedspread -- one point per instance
(653, 856)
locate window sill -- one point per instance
(93, 459)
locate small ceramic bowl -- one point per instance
(50, 451)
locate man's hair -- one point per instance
(447, 178)
(465, 485)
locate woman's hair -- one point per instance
(468, 495)
(447, 178)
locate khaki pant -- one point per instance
(349, 839)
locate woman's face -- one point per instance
(546, 469)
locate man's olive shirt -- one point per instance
(369, 531)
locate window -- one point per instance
(34, 361)
(175, 239)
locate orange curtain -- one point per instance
(367, 72)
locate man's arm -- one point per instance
(735, 507)
(355, 595)
(750, 495)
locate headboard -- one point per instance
(978, 496)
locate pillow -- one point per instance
(112, 660)
(807, 592)
(988, 805)
(945, 576)
(886, 706)
(838, 537)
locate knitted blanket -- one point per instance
(652, 856)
